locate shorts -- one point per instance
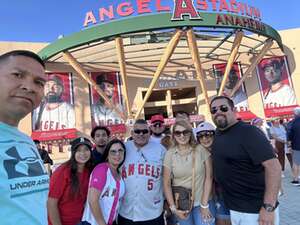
(296, 157)
(222, 212)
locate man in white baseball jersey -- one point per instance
(54, 113)
(142, 173)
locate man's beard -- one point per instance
(221, 123)
(53, 98)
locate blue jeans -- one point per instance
(195, 217)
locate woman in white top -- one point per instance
(178, 167)
(106, 187)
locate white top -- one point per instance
(62, 117)
(156, 139)
(111, 191)
(142, 173)
(278, 133)
(284, 96)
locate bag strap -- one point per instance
(193, 175)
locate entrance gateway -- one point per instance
(170, 55)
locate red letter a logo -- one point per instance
(184, 7)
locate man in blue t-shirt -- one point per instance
(23, 179)
(245, 166)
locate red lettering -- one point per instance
(219, 20)
(125, 9)
(214, 4)
(51, 125)
(229, 19)
(141, 169)
(89, 18)
(152, 171)
(161, 8)
(106, 193)
(143, 6)
(202, 5)
(130, 169)
(238, 22)
(148, 170)
(184, 7)
(124, 176)
(106, 12)
(223, 6)
(150, 184)
(233, 6)
(157, 172)
(241, 8)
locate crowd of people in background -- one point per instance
(183, 175)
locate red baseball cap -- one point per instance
(157, 118)
(274, 62)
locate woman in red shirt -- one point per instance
(69, 185)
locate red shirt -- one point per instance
(70, 208)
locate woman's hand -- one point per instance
(205, 213)
(182, 214)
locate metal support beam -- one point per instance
(122, 64)
(162, 64)
(234, 52)
(192, 43)
(219, 44)
(251, 68)
(77, 67)
(169, 104)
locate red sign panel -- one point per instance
(54, 135)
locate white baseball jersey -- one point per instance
(111, 191)
(105, 116)
(62, 117)
(142, 173)
(284, 96)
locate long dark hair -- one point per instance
(75, 186)
(107, 148)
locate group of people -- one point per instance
(228, 177)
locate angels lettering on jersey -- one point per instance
(56, 111)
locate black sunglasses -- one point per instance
(205, 134)
(179, 133)
(223, 108)
(117, 152)
(138, 131)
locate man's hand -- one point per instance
(266, 218)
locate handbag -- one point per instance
(184, 197)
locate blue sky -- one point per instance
(45, 20)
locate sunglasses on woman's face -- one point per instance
(223, 108)
(206, 134)
(184, 133)
(138, 131)
(115, 152)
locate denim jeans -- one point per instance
(195, 217)
(239, 218)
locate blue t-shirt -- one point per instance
(24, 182)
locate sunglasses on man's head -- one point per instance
(223, 108)
(117, 152)
(138, 131)
(205, 134)
(179, 133)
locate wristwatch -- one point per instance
(269, 207)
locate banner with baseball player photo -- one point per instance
(110, 84)
(276, 86)
(240, 98)
(56, 111)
